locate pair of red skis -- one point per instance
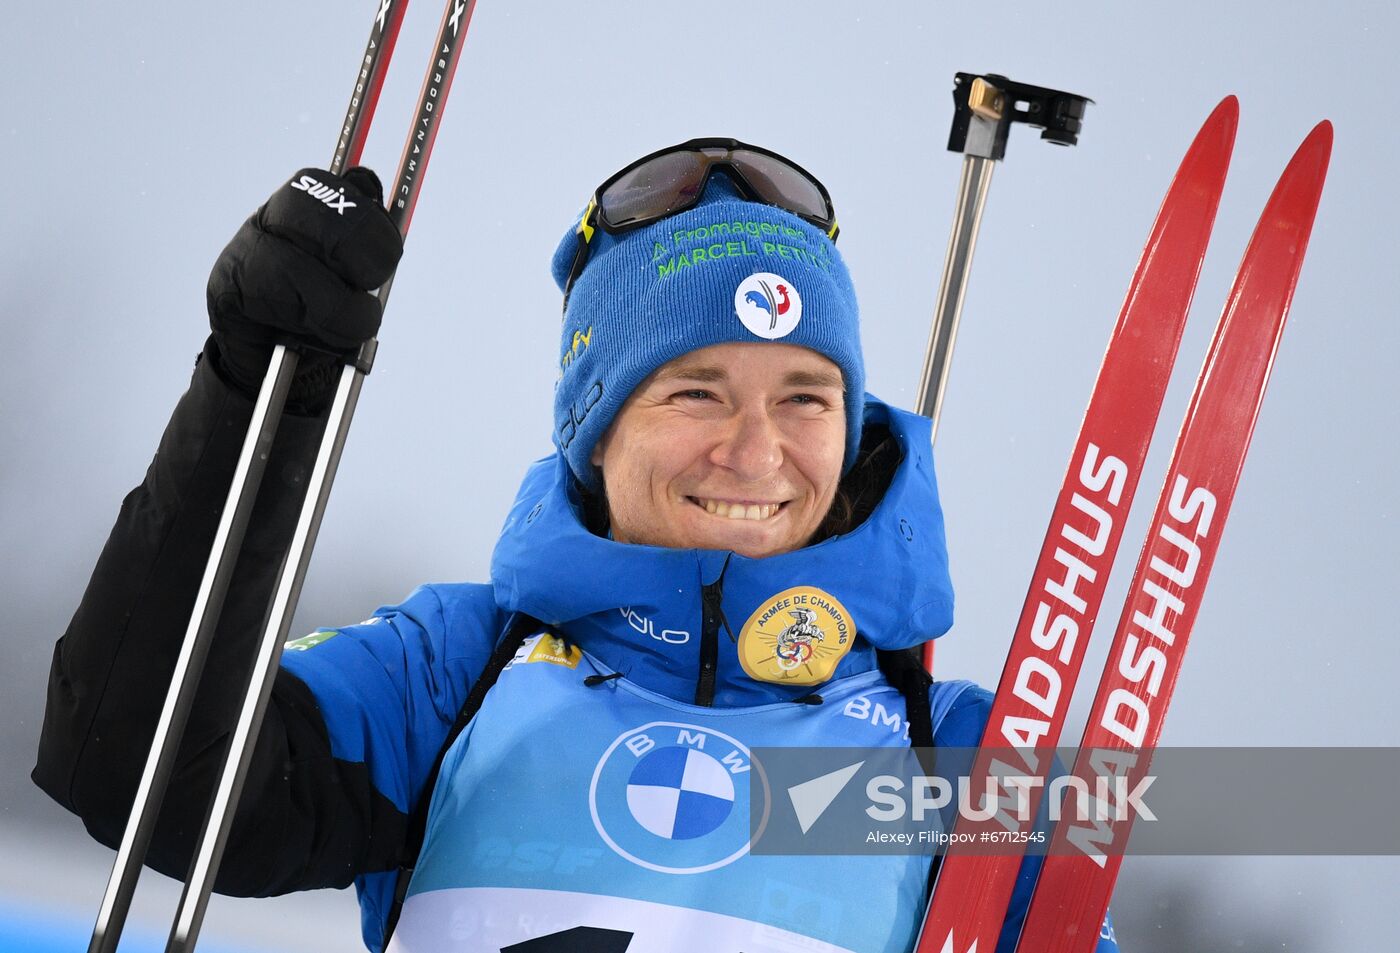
(973, 890)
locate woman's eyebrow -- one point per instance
(814, 379)
(705, 373)
(715, 374)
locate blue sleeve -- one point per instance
(960, 715)
(390, 687)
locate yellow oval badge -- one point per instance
(796, 638)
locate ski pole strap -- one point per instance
(517, 631)
(905, 670)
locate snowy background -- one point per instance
(136, 137)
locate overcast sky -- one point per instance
(138, 136)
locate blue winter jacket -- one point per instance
(539, 806)
(603, 784)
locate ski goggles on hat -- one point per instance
(672, 180)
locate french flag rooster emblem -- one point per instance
(773, 299)
(768, 305)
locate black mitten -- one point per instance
(303, 268)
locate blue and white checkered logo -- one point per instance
(673, 797)
(680, 793)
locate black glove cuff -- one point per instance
(313, 385)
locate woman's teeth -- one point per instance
(739, 511)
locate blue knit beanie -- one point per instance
(725, 270)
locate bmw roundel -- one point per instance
(674, 797)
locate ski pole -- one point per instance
(228, 537)
(984, 107)
(408, 182)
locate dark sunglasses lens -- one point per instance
(653, 189)
(780, 184)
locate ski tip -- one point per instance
(1207, 160)
(1226, 114)
(1217, 135)
(1320, 137)
(1287, 220)
(1313, 155)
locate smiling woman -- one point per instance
(774, 550)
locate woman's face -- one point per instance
(732, 446)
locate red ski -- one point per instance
(972, 891)
(1125, 722)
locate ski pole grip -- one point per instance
(985, 106)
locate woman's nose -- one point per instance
(752, 448)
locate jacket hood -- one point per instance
(660, 616)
